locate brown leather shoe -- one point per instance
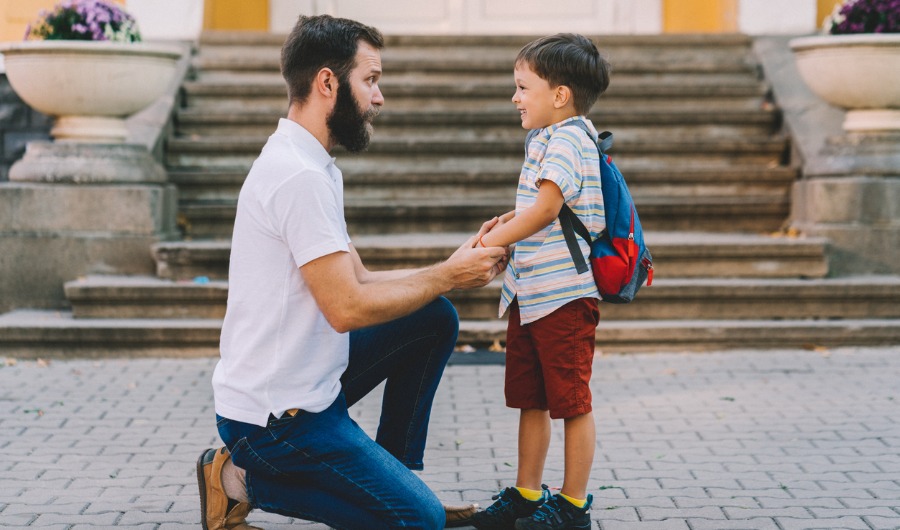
(214, 513)
(459, 515)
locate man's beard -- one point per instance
(347, 124)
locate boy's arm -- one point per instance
(366, 276)
(530, 221)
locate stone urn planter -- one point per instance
(89, 86)
(858, 72)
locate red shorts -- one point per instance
(548, 362)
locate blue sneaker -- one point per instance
(510, 505)
(556, 514)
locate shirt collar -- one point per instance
(303, 139)
(549, 130)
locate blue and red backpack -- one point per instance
(620, 260)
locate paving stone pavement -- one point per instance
(721, 441)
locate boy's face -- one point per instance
(535, 99)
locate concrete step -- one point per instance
(759, 214)
(717, 42)
(505, 127)
(496, 114)
(734, 299)
(54, 334)
(624, 336)
(215, 88)
(676, 255)
(242, 151)
(459, 56)
(720, 127)
(417, 179)
(666, 299)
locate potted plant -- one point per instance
(84, 63)
(856, 63)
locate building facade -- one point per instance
(484, 16)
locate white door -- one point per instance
(482, 17)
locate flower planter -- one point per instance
(860, 73)
(90, 87)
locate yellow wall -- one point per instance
(700, 16)
(825, 7)
(15, 15)
(236, 15)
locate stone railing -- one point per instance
(849, 191)
(71, 209)
(19, 124)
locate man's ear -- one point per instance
(562, 96)
(326, 83)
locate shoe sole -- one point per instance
(584, 527)
(201, 482)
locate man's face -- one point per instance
(358, 101)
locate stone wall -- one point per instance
(19, 124)
(849, 191)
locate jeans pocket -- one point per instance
(245, 457)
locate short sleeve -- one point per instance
(562, 163)
(305, 212)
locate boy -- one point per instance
(553, 309)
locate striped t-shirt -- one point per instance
(541, 272)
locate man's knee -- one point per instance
(432, 513)
(442, 315)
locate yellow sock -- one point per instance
(530, 495)
(577, 502)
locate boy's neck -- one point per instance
(561, 117)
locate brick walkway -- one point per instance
(737, 440)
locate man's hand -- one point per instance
(503, 219)
(471, 265)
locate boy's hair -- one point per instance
(322, 42)
(571, 60)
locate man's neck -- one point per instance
(312, 121)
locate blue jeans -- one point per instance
(323, 467)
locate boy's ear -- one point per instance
(562, 96)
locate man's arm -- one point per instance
(349, 303)
(366, 276)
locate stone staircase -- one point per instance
(697, 137)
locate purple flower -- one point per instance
(867, 16)
(85, 20)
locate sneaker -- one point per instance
(558, 513)
(509, 506)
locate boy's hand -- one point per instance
(503, 261)
(503, 219)
(486, 227)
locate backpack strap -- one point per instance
(569, 222)
(571, 225)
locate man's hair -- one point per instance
(571, 60)
(322, 42)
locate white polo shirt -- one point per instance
(278, 351)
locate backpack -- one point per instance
(619, 258)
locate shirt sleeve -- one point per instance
(305, 212)
(562, 163)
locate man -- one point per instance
(309, 330)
